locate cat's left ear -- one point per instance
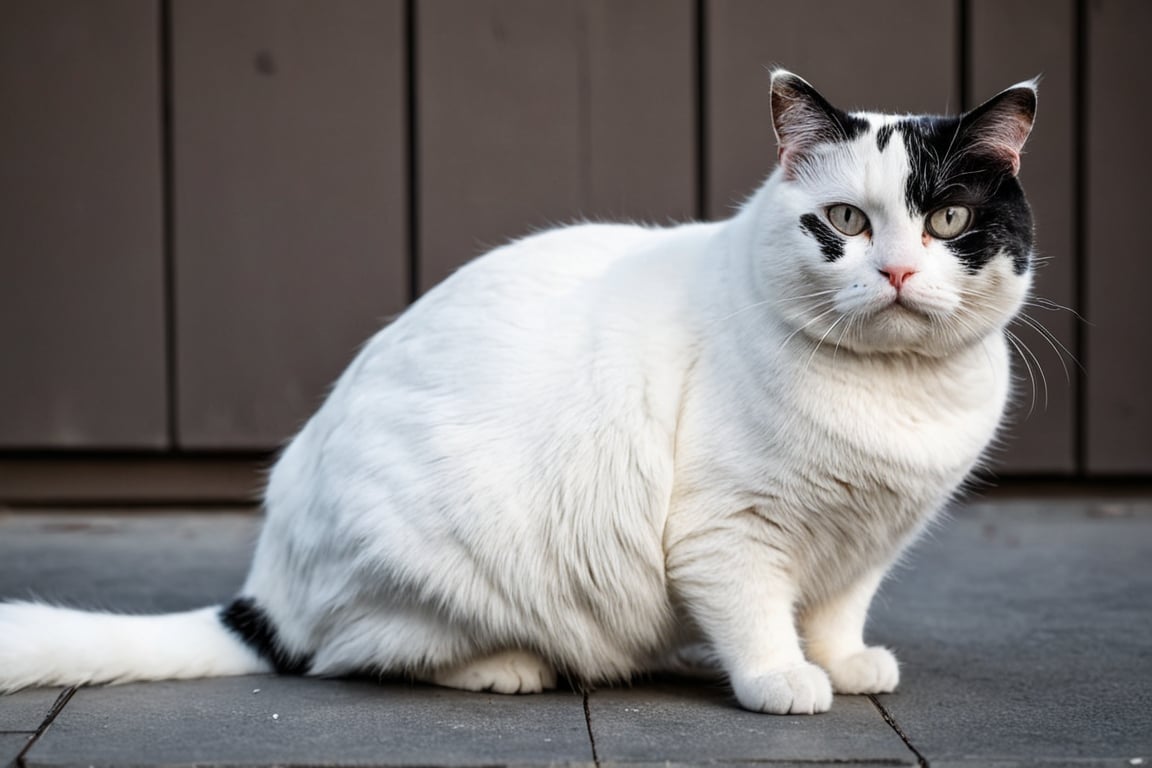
(802, 119)
(1000, 126)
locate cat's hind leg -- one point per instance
(505, 672)
(834, 639)
(415, 643)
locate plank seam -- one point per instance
(168, 219)
(413, 139)
(891, 721)
(591, 735)
(701, 103)
(1080, 202)
(57, 707)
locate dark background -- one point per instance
(206, 206)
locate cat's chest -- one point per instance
(914, 423)
(928, 418)
(854, 458)
(846, 471)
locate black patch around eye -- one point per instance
(942, 172)
(883, 136)
(252, 625)
(831, 244)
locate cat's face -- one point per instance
(904, 234)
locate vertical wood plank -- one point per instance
(640, 110)
(1042, 437)
(1117, 263)
(290, 205)
(887, 55)
(81, 232)
(532, 114)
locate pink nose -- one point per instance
(897, 275)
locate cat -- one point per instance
(603, 444)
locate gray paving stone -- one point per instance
(1046, 762)
(293, 721)
(10, 746)
(1025, 632)
(132, 561)
(698, 723)
(26, 710)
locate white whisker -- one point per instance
(812, 320)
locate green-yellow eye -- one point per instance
(948, 222)
(848, 219)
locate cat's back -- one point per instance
(554, 304)
(566, 348)
(553, 265)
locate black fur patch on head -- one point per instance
(944, 172)
(248, 620)
(831, 244)
(883, 136)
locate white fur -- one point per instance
(601, 443)
(47, 645)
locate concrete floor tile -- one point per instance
(26, 710)
(1025, 632)
(695, 723)
(10, 746)
(130, 562)
(1037, 762)
(294, 721)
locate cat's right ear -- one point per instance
(1000, 126)
(802, 119)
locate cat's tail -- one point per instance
(45, 645)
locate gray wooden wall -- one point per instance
(207, 205)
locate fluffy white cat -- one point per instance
(596, 446)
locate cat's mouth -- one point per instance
(902, 305)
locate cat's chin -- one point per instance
(903, 327)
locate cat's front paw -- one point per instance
(508, 672)
(800, 690)
(872, 670)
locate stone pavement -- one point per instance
(1024, 627)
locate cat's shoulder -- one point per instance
(561, 258)
(591, 241)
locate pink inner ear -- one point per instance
(785, 156)
(1014, 159)
(1004, 138)
(799, 128)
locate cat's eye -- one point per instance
(948, 222)
(848, 219)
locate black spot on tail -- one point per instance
(831, 244)
(253, 626)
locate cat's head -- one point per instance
(901, 233)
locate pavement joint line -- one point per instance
(588, 725)
(57, 707)
(884, 713)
